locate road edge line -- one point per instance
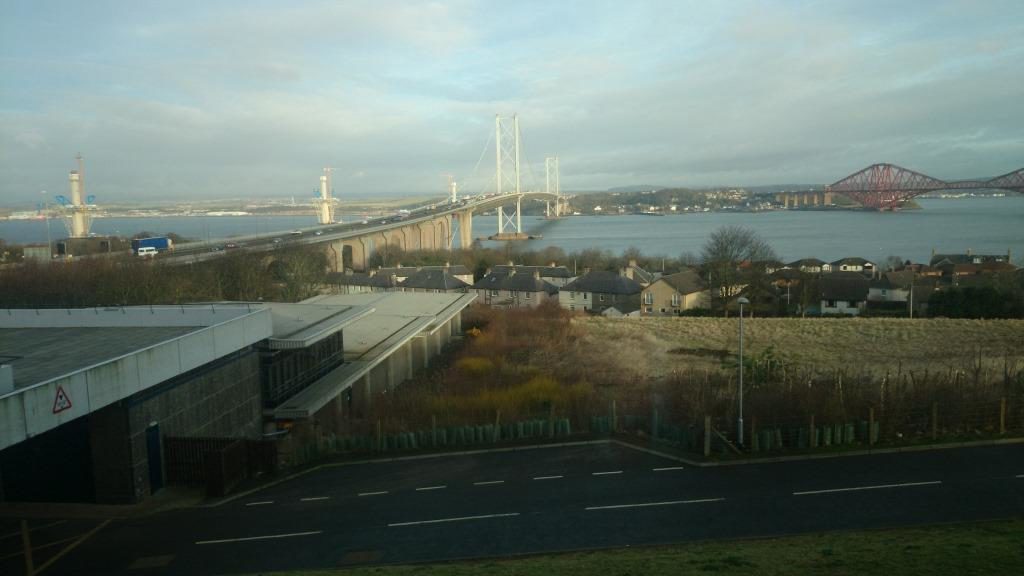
(72, 546)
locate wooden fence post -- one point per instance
(707, 435)
(1002, 415)
(871, 426)
(813, 440)
(935, 420)
(26, 542)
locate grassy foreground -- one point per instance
(978, 548)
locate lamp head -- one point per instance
(743, 300)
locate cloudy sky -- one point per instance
(189, 99)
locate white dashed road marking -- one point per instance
(488, 483)
(606, 473)
(314, 498)
(431, 488)
(264, 503)
(547, 477)
(667, 468)
(250, 538)
(459, 519)
(372, 493)
(875, 487)
(649, 504)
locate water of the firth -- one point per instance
(984, 225)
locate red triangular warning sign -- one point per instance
(62, 402)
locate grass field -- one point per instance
(956, 549)
(659, 346)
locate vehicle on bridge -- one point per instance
(158, 243)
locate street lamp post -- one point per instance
(739, 436)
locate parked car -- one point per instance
(230, 246)
(147, 251)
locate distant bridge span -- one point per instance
(887, 186)
(432, 227)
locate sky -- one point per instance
(210, 99)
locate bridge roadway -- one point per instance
(429, 227)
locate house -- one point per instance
(786, 277)
(810, 266)
(853, 264)
(635, 272)
(433, 279)
(552, 273)
(967, 258)
(402, 272)
(670, 295)
(515, 289)
(885, 289)
(843, 293)
(598, 291)
(359, 283)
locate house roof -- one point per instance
(545, 271)
(786, 274)
(407, 271)
(360, 279)
(852, 261)
(967, 258)
(849, 286)
(433, 279)
(685, 282)
(901, 279)
(604, 282)
(807, 263)
(518, 282)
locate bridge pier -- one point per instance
(465, 220)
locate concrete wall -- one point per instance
(221, 400)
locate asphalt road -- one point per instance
(500, 504)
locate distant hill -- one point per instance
(637, 188)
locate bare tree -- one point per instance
(734, 257)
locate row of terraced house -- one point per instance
(846, 286)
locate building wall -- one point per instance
(841, 307)
(512, 298)
(661, 300)
(221, 399)
(579, 301)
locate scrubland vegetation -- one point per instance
(532, 364)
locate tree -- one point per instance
(892, 263)
(733, 257)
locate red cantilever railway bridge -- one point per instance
(887, 186)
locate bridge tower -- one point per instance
(78, 209)
(325, 202)
(507, 175)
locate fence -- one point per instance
(220, 464)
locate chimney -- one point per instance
(632, 264)
(394, 280)
(511, 263)
(552, 263)
(399, 264)
(372, 272)
(536, 274)
(627, 272)
(511, 272)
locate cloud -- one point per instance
(254, 99)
